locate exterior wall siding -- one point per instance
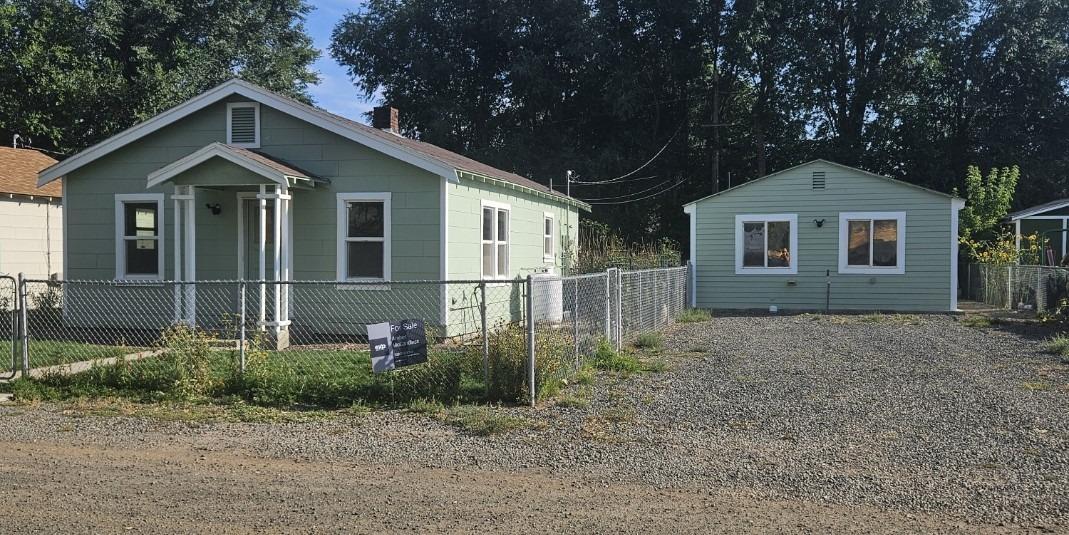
(526, 247)
(416, 201)
(925, 285)
(31, 237)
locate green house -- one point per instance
(242, 183)
(825, 236)
(1050, 222)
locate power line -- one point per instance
(641, 167)
(632, 194)
(673, 186)
(596, 183)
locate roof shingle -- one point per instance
(18, 173)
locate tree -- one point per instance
(987, 201)
(77, 72)
(917, 90)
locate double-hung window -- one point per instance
(495, 240)
(363, 236)
(872, 242)
(549, 243)
(139, 236)
(766, 244)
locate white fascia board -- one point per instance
(173, 169)
(306, 113)
(1029, 213)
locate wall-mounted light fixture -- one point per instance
(215, 208)
(819, 222)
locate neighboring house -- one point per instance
(31, 220)
(824, 235)
(1051, 222)
(200, 191)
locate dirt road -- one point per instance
(56, 487)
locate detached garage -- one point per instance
(825, 236)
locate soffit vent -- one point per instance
(242, 125)
(819, 180)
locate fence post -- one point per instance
(608, 307)
(486, 336)
(24, 331)
(575, 318)
(1009, 287)
(530, 339)
(241, 320)
(619, 310)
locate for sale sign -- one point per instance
(397, 344)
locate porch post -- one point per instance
(177, 253)
(286, 239)
(191, 256)
(277, 268)
(262, 198)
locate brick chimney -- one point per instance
(385, 118)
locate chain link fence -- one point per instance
(1036, 288)
(10, 350)
(306, 342)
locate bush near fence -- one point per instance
(1042, 289)
(564, 319)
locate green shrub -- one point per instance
(694, 315)
(652, 340)
(607, 358)
(1059, 345)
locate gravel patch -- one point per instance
(909, 413)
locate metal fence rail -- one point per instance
(1038, 288)
(307, 340)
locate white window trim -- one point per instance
(229, 119)
(791, 269)
(483, 204)
(844, 242)
(343, 238)
(550, 256)
(120, 235)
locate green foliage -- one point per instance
(987, 200)
(77, 72)
(651, 340)
(608, 359)
(600, 248)
(694, 315)
(1059, 345)
(914, 90)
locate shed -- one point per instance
(825, 236)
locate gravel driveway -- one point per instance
(882, 423)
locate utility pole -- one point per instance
(716, 132)
(568, 182)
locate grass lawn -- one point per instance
(52, 352)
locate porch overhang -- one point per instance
(234, 166)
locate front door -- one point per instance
(250, 256)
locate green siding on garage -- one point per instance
(925, 285)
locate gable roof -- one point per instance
(266, 166)
(428, 157)
(18, 173)
(831, 163)
(1038, 209)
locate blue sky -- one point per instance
(335, 93)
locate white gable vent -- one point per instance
(243, 124)
(819, 179)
